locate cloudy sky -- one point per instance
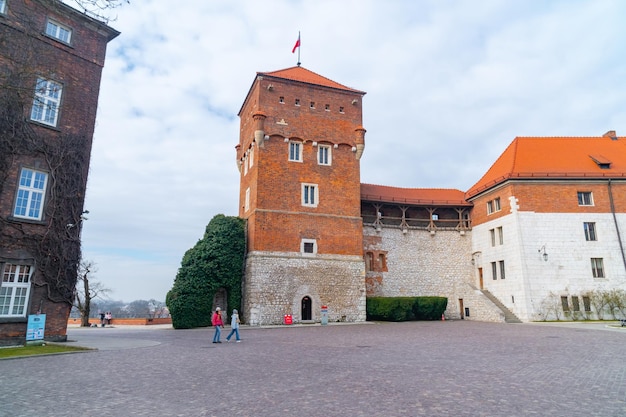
(449, 85)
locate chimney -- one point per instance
(610, 134)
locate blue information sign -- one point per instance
(36, 326)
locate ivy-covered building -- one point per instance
(51, 60)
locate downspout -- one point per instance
(619, 237)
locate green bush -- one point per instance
(405, 308)
(215, 262)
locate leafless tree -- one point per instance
(87, 289)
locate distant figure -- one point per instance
(217, 322)
(108, 316)
(102, 319)
(234, 324)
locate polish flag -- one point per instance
(296, 46)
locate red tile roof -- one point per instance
(556, 157)
(306, 76)
(413, 196)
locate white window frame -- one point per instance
(493, 206)
(308, 241)
(309, 195)
(590, 231)
(585, 198)
(251, 156)
(3, 6)
(31, 194)
(324, 155)
(47, 102)
(597, 268)
(246, 204)
(15, 289)
(58, 31)
(295, 151)
(245, 165)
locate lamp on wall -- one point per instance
(543, 253)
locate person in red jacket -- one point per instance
(217, 322)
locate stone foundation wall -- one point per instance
(275, 284)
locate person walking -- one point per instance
(234, 325)
(217, 322)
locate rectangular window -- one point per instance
(46, 103)
(564, 303)
(295, 151)
(324, 155)
(597, 267)
(246, 204)
(493, 205)
(58, 31)
(251, 156)
(492, 232)
(585, 198)
(14, 290)
(308, 246)
(327, 107)
(312, 105)
(3, 6)
(281, 100)
(309, 195)
(575, 303)
(500, 236)
(245, 165)
(590, 231)
(297, 102)
(587, 303)
(494, 271)
(502, 275)
(31, 193)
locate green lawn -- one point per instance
(12, 352)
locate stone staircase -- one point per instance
(509, 317)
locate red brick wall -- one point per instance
(552, 197)
(275, 182)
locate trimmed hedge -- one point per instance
(405, 308)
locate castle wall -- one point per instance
(276, 283)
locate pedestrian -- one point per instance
(234, 325)
(108, 316)
(217, 322)
(102, 319)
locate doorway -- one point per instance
(461, 309)
(306, 308)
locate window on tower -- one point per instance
(310, 195)
(295, 151)
(324, 155)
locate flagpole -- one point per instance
(299, 47)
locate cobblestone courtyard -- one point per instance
(452, 368)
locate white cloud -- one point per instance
(449, 83)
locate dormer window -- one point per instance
(601, 161)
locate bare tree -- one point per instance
(87, 289)
(599, 302)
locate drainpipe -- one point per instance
(619, 237)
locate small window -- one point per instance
(309, 195)
(58, 31)
(327, 107)
(492, 233)
(324, 155)
(502, 275)
(246, 204)
(308, 246)
(564, 303)
(281, 100)
(585, 198)
(31, 194)
(587, 303)
(245, 165)
(295, 151)
(434, 216)
(297, 102)
(500, 235)
(47, 101)
(494, 271)
(3, 6)
(15, 290)
(590, 231)
(251, 156)
(575, 303)
(382, 260)
(312, 105)
(597, 267)
(341, 110)
(368, 261)
(493, 205)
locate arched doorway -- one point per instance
(306, 308)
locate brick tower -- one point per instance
(301, 139)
